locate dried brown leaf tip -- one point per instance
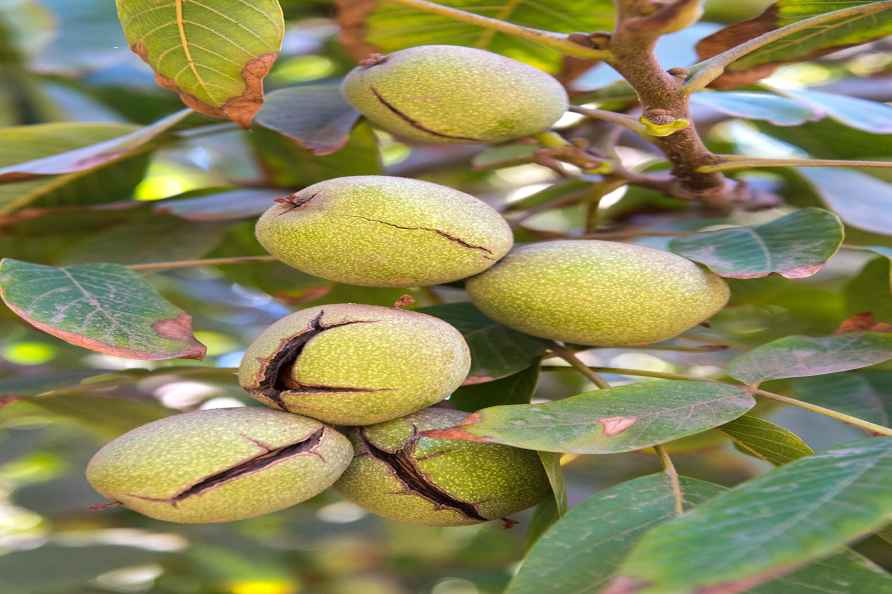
(241, 109)
(404, 301)
(863, 322)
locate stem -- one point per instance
(707, 71)
(827, 412)
(584, 369)
(665, 103)
(197, 263)
(669, 469)
(848, 419)
(620, 119)
(557, 41)
(731, 162)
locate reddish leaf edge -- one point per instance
(172, 329)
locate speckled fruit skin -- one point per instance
(366, 365)
(381, 231)
(148, 468)
(597, 293)
(492, 480)
(448, 93)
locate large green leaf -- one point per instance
(152, 238)
(23, 144)
(805, 356)
(780, 111)
(621, 419)
(315, 116)
(867, 209)
(496, 351)
(869, 116)
(377, 25)
(102, 307)
(214, 55)
(86, 157)
(798, 513)
(794, 246)
(106, 415)
(580, 552)
(763, 439)
(803, 45)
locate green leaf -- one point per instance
(797, 513)
(544, 516)
(805, 356)
(552, 464)
(289, 165)
(223, 205)
(579, 553)
(794, 246)
(869, 116)
(496, 351)
(765, 440)
(514, 389)
(315, 116)
(867, 209)
(213, 55)
(870, 290)
(375, 25)
(102, 307)
(800, 46)
(91, 156)
(106, 415)
(780, 111)
(863, 395)
(152, 238)
(621, 419)
(22, 144)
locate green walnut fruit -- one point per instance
(355, 364)
(381, 231)
(219, 465)
(402, 474)
(448, 93)
(597, 293)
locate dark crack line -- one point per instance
(252, 465)
(415, 123)
(292, 202)
(277, 372)
(405, 470)
(439, 232)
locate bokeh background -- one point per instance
(66, 61)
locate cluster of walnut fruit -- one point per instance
(377, 373)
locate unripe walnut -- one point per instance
(597, 293)
(401, 474)
(219, 465)
(449, 93)
(384, 231)
(355, 364)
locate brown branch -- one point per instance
(664, 102)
